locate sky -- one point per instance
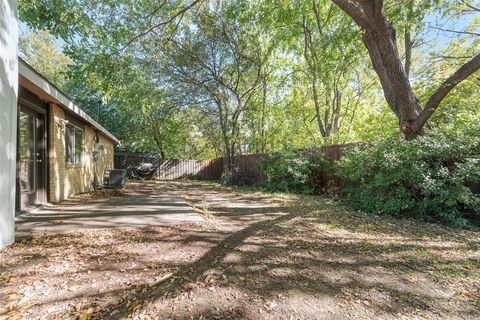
(440, 38)
(434, 40)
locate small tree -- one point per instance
(218, 65)
(41, 50)
(329, 70)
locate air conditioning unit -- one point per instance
(116, 178)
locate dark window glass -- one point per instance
(27, 152)
(73, 144)
(78, 145)
(69, 142)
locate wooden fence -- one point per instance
(171, 169)
(330, 183)
(213, 169)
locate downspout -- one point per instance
(95, 159)
(96, 151)
(49, 152)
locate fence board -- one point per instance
(171, 169)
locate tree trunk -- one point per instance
(158, 141)
(229, 158)
(381, 45)
(263, 141)
(312, 63)
(380, 40)
(338, 110)
(408, 39)
(317, 109)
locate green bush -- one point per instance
(427, 178)
(293, 170)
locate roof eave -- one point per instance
(58, 97)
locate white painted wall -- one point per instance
(8, 118)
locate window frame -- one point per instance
(77, 158)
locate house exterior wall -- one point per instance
(8, 118)
(105, 160)
(68, 179)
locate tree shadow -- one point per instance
(266, 252)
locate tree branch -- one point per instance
(180, 12)
(472, 7)
(456, 31)
(432, 104)
(408, 39)
(354, 10)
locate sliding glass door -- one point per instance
(31, 173)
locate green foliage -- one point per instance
(65, 18)
(287, 171)
(246, 76)
(294, 170)
(426, 178)
(41, 50)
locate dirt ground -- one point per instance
(257, 256)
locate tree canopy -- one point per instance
(201, 79)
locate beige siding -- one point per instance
(69, 179)
(105, 160)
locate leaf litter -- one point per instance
(259, 256)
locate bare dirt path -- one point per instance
(258, 256)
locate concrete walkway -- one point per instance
(115, 212)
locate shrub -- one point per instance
(293, 171)
(428, 177)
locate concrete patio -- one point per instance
(113, 212)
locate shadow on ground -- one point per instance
(134, 208)
(258, 258)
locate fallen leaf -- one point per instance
(409, 278)
(74, 287)
(83, 315)
(12, 296)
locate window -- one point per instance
(73, 143)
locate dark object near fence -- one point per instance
(247, 168)
(145, 171)
(240, 177)
(115, 178)
(168, 169)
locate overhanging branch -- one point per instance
(354, 10)
(179, 13)
(432, 104)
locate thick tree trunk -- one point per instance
(380, 40)
(408, 39)
(382, 47)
